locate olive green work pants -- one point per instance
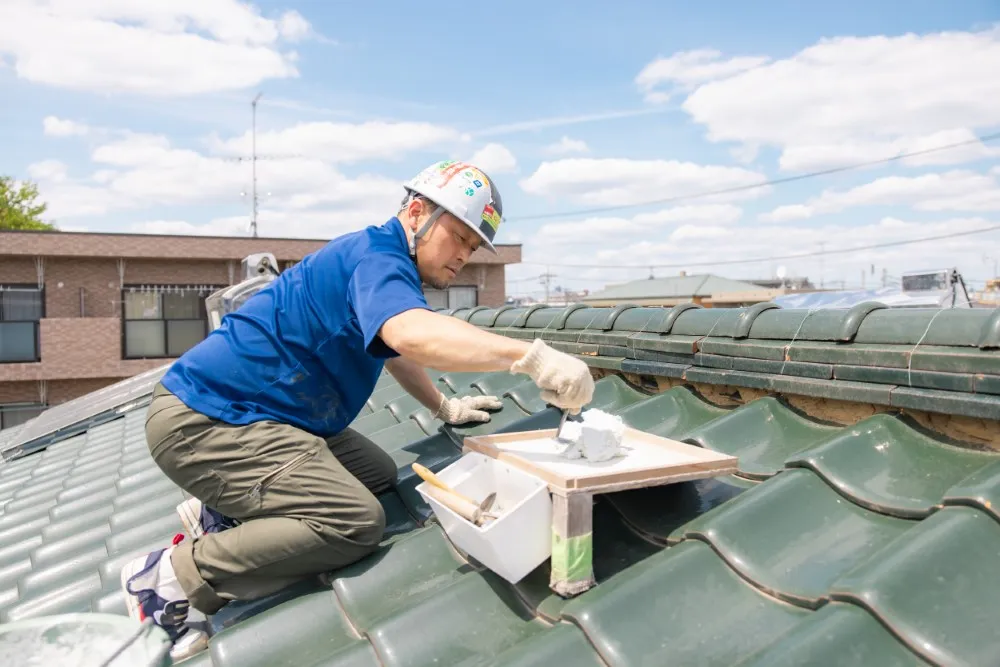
(306, 504)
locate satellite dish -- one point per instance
(781, 272)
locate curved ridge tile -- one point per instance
(980, 490)
(467, 622)
(670, 414)
(793, 536)
(684, 603)
(886, 464)
(838, 635)
(762, 433)
(936, 587)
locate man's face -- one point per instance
(444, 250)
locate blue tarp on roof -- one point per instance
(890, 296)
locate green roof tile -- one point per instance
(472, 619)
(980, 406)
(400, 575)
(564, 644)
(682, 603)
(671, 413)
(981, 490)
(656, 512)
(374, 422)
(305, 631)
(810, 539)
(906, 326)
(902, 376)
(936, 587)
(838, 635)
(887, 464)
(762, 434)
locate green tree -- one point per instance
(19, 206)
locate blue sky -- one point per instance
(132, 118)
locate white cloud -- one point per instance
(614, 182)
(687, 69)
(599, 230)
(59, 127)
(718, 243)
(848, 99)
(343, 142)
(825, 155)
(318, 224)
(153, 48)
(955, 190)
(495, 158)
(566, 146)
(52, 171)
(140, 171)
(561, 121)
(293, 26)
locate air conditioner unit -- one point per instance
(259, 270)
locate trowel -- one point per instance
(477, 513)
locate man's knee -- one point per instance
(361, 522)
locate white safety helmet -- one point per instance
(463, 190)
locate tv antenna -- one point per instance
(255, 201)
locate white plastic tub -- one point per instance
(520, 539)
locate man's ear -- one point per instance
(413, 212)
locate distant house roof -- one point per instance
(671, 289)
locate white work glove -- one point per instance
(466, 409)
(565, 380)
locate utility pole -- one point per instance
(822, 247)
(546, 279)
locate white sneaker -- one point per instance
(152, 591)
(199, 519)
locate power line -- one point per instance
(763, 184)
(887, 244)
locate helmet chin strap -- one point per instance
(423, 230)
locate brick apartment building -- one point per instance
(79, 311)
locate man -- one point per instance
(253, 421)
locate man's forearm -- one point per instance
(413, 378)
(449, 344)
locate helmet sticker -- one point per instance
(491, 217)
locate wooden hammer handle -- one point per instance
(455, 503)
(434, 480)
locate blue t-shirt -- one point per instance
(305, 349)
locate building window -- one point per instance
(21, 307)
(459, 296)
(163, 321)
(18, 413)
